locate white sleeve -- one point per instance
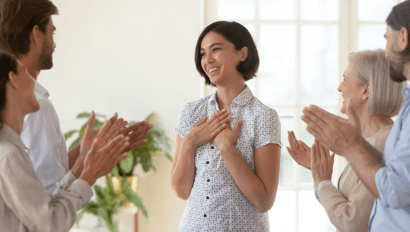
(63, 185)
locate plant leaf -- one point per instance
(146, 160)
(134, 198)
(69, 134)
(98, 124)
(82, 130)
(169, 157)
(77, 141)
(79, 216)
(100, 115)
(84, 115)
(99, 193)
(127, 163)
(115, 172)
(104, 215)
(90, 207)
(108, 196)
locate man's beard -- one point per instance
(397, 62)
(397, 75)
(46, 56)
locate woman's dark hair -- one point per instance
(240, 37)
(8, 63)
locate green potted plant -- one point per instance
(121, 187)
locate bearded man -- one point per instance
(26, 31)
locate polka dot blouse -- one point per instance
(216, 203)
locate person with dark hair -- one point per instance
(232, 32)
(386, 175)
(27, 30)
(229, 176)
(24, 205)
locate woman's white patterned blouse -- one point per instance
(216, 203)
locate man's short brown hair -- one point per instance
(18, 18)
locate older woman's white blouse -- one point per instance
(216, 203)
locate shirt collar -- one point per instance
(244, 97)
(212, 98)
(10, 135)
(406, 93)
(41, 90)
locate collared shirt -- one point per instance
(216, 203)
(391, 211)
(46, 145)
(24, 206)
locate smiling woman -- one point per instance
(228, 166)
(229, 32)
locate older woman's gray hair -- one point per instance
(385, 95)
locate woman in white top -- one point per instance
(229, 176)
(375, 98)
(24, 204)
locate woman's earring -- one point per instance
(363, 100)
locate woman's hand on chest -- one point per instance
(227, 137)
(204, 131)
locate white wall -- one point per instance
(132, 57)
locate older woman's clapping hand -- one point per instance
(299, 151)
(340, 135)
(321, 163)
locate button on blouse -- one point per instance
(216, 203)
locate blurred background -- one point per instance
(135, 57)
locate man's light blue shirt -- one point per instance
(391, 211)
(46, 145)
